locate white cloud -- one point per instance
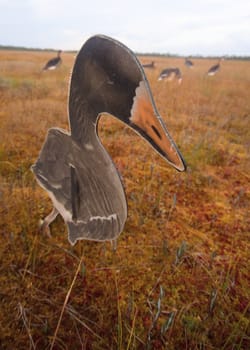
(49, 9)
(179, 26)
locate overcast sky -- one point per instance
(185, 27)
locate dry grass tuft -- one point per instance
(180, 276)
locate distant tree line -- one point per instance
(226, 57)
(154, 54)
(23, 48)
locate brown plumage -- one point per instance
(73, 167)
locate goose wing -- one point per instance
(84, 187)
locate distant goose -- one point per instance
(149, 65)
(214, 69)
(53, 63)
(74, 167)
(170, 74)
(189, 63)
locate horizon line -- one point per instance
(156, 54)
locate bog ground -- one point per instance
(180, 276)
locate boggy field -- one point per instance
(179, 278)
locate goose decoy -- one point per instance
(149, 65)
(73, 167)
(189, 63)
(171, 73)
(214, 69)
(53, 63)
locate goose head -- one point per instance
(108, 78)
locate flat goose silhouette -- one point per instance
(214, 69)
(74, 167)
(189, 63)
(53, 63)
(170, 74)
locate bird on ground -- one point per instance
(214, 69)
(189, 63)
(53, 63)
(149, 65)
(170, 74)
(73, 166)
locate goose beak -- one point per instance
(148, 123)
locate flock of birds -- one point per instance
(175, 73)
(73, 167)
(166, 74)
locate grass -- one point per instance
(180, 276)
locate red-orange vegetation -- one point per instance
(180, 276)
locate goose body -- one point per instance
(149, 65)
(74, 167)
(189, 63)
(170, 74)
(214, 69)
(53, 63)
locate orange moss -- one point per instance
(180, 276)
